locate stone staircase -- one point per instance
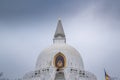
(59, 76)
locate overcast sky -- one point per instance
(91, 26)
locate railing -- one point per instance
(38, 73)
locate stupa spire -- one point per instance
(59, 36)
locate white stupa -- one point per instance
(60, 61)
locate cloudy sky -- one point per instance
(91, 26)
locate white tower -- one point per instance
(60, 61)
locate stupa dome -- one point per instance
(72, 57)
